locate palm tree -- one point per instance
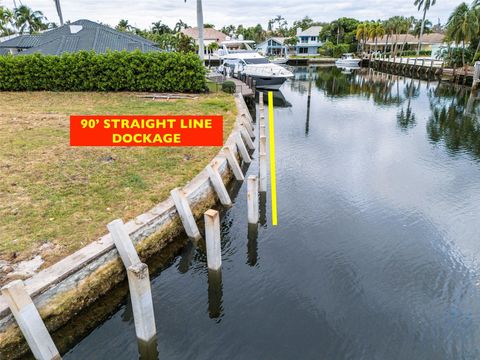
(406, 27)
(179, 26)
(389, 27)
(427, 28)
(6, 18)
(462, 26)
(397, 23)
(362, 33)
(26, 18)
(123, 25)
(59, 11)
(160, 28)
(201, 45)
(476, 9)
(337, 24)
(425, 4)
(376, 30)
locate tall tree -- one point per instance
(462, 26)
(376, 30)
(6, 19)
(160, 28)
(406, 26)
(201, 44)
(123, 25)
(389, 27)
(425, 5)
(362, 33)
(179, 26)
(28, 20)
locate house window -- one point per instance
(303, 50)
(304, 39)
(313, 38)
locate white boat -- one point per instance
(279, 60)
(347, 60)
(239, 58)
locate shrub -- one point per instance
(330, 49)
(411, 53)
(229, 87)
(113, 71)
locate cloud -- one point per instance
(142, 13)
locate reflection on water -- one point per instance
(376, 255)
(215, 292)
(454, 119)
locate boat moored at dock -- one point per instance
(240, 59)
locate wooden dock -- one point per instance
(421, 67)
(242, 88)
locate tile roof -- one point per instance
(80, 35)
(433, 38)
(208, 34)
(22, 41)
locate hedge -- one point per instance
(412, 53)
(112, 71)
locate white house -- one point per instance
(308, 41)
(274, 46)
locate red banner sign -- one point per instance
(146, 130)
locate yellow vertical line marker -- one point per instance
(273, 176)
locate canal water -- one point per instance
(376, 253)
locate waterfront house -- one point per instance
(430, 42)
(308, 41)
(210, 36)
(274, 46)
(76, 36)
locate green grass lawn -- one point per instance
(53, 193)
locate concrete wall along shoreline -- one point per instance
(62, 290)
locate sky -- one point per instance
(141, 13)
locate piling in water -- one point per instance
(142, 303)
(212, 239)
(252, 199)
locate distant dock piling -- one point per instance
(252, 199)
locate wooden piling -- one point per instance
(142, 302)
(185, 213)
(29, 321)
(219, 186)
(242, 149)
(233, 163)
(212, 239)
(252, 199)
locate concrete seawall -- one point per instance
(77, 281)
